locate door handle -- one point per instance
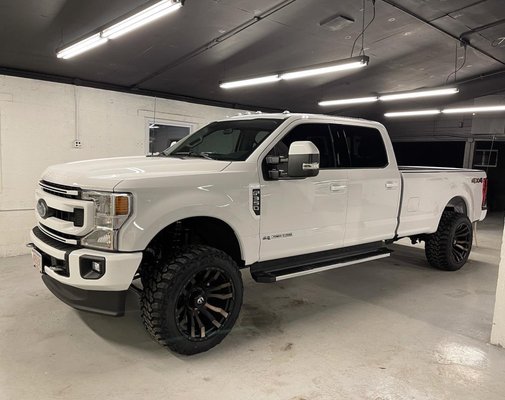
(334, 187)
(391, 185)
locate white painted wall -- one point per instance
(39, 122)
(498, 331)
(489, 123)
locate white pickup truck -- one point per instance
(281, 194)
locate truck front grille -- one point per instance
(68, 217)
(59, 236)
(61, 190)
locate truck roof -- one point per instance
(286, 115)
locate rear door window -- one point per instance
(359, 147)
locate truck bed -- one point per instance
(426, 191)
(410, 169)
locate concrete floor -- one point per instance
(392, 329)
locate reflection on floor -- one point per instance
(390, 329)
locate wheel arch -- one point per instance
(458, 204)
(207, 230)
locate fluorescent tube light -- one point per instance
(142, 18)
(137, 20)
(412, 113)
(418, 94)
(81, 46)
(250, 82)
(473, 109)
(351, 63)
(327, 68)
(348, 101)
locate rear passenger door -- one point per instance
(373, 183)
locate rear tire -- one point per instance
(191, 302)
(449, 247)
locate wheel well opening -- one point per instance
(196, 230)
(457, 204)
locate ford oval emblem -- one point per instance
(42, 208)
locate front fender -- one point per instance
(157, 206)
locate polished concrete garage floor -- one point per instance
(392, 329)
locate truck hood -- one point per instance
(106, 173)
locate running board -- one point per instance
(277, 273)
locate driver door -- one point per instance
(301, 216)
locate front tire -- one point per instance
(192, 301)
(449, 247)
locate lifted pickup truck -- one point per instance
(284, 195)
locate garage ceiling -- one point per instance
(177, 57)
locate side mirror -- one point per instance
(303, 159)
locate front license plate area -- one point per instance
(37, 261)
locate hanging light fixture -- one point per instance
(417, 113)
(474, 109)
(320, 69)
(81, 46)
(419, 94)
(141, 18)
(359, 100)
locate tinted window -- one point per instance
(364, 146)
(232, 140)
(319, 134)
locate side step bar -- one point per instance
(268, 272)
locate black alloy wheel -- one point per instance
(462, 242)
(204, 304)
(450, 246)
(191, 301)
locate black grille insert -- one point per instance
(77, 217)
(52, 242)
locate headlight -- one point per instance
(111, 212)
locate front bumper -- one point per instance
(98, 301)
(102, 295)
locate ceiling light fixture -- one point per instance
(393, 96)
(120, 28)
(473, 109)
(141, 18)
(359, 100)
(419, 94)
(350, 63)
(250, 82)
(82, 46)
(412, 113)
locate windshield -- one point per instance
(232, 140)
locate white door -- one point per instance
(301, 216)
(374, 185)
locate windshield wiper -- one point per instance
(191, 154)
